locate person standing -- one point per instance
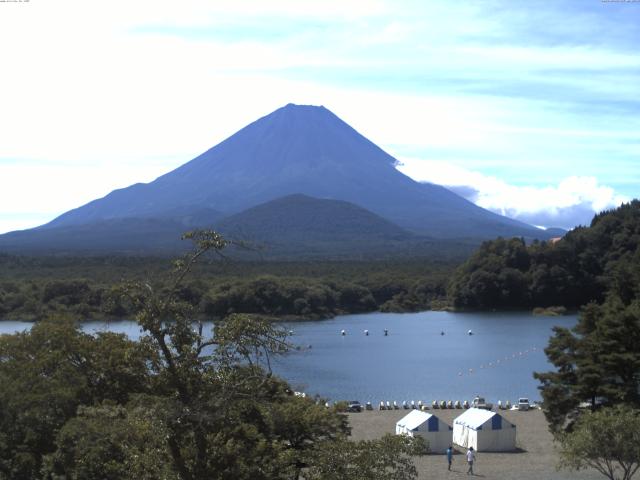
(471, 456)
(449, 456)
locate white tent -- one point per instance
(428, 426)
(484, 430)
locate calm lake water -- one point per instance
(414, 362)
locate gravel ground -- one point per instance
(536, 458)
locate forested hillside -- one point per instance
(573, 271)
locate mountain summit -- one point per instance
(300, 149)
(297, 149)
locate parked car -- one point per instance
(523, 404)
(479, 402)
(354, 406)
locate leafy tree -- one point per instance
(388, 458)
(216, 397)
(598, 361)
(110, 442)
(607, 440)
(46, 374)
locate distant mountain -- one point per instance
(556, 232)
(303, 219)
(301, 149)
(291, 227)
(294, 150)
(136, 236)
(299, 225)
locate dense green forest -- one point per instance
(573, 271)
(90, 287)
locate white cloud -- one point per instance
(570, 202)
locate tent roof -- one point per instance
(414, 419)
(474, 418)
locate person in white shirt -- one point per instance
(471, 456)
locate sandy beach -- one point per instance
(536, 458)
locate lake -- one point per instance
(414, 362)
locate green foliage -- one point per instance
(87, 288)
(607, 440)
(110, 442)
(388, 458)
(578, 269)
(598, 361)
(46, 374)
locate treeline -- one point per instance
(32, 288)
(580, 268)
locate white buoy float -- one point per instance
(343, 333)
(366, 333)
(469, 332)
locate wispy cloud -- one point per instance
(568, 203)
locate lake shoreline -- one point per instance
(424, 356)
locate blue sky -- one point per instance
(529, 108)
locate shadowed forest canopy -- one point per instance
(573, 271)
(87, 288)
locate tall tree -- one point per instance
(215, 394)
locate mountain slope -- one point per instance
(291, 227)
(300, 149)
(300, 218)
